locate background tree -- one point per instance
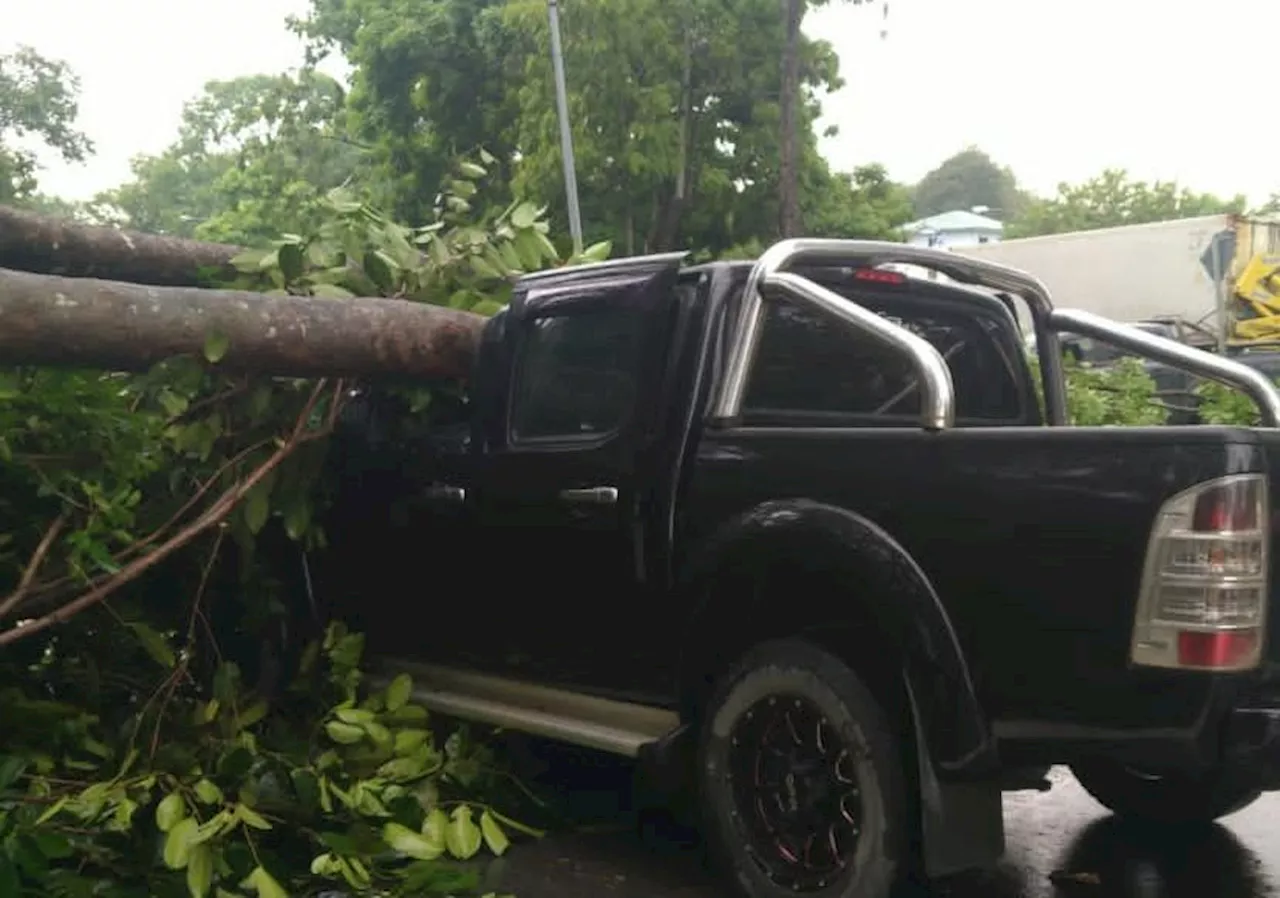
(667, 108)
(254, 155)
(428, 82)
(969, 178)
(791, 101)
(39, 98)
(1112, 199)
(1270, 207)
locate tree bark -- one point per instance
(87, 323)
(789, 224)
(46, 245)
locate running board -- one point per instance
(617, 727)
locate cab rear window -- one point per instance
(813, 366)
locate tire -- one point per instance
(842, 791)
(1176, 799)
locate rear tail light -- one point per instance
(1203, 602)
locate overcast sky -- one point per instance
(1056, 90)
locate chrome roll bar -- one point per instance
(1256, 385)
(856, 253)
(937, 395)
(1048, 322)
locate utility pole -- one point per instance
(566, 134)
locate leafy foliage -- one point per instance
(234, 795)
(38, 98)
(149, 748)
(1113, 199)
(251, 154)
(1123, 393)
(967, 180)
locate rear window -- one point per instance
(809, 362)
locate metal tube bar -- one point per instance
(1161, 349)
(937, 394)
(854, 253)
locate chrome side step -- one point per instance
(617, 727)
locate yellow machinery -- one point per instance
(1256, 309)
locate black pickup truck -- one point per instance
(810, 527)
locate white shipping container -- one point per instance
(1127, 273)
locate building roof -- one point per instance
(959, 220)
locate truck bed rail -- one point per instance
(938, 406)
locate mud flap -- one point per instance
(961, 823)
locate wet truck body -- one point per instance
(810, 539)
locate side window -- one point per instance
(576, 376)
(808, 362)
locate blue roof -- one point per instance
(959, 220)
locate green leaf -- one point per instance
(257, 508)
(524, 215)
(462, 837)
(264, 884)
(471, 170)
(251, 715)
(358, 716)
(249, 261)
(494, 837)
(597, 252)
(408, 741)
(343, 733)
(53, 846)
(216, 345)
(529, 249)
(307, 787)
(154, 644)
(170, 811)
(434, 826)
(172, 403)
(548, 248)
(207, 792)
(410, 843)
(291, 262)
(487, 307)
(250, 817)
(11, 767)
(330, 291)
(398, 692)
(52, 811)
(343, 200)
(484, 269)
(200, 871)
(177, 845)
(380, 735)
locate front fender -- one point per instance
(884, 585)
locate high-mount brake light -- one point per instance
(879, 276)
(1203, 600)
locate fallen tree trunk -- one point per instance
(89, 323)
(45, 245)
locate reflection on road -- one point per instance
(1060, 844)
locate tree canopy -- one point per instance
(1114, 198)
(39, 98)
(967, 180)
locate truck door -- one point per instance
(563, 484)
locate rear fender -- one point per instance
(879, 585)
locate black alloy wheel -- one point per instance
(796, 789)
(801, 780)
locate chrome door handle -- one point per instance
(591, 495)
(443, 492)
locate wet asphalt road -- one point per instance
(1060, 831)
